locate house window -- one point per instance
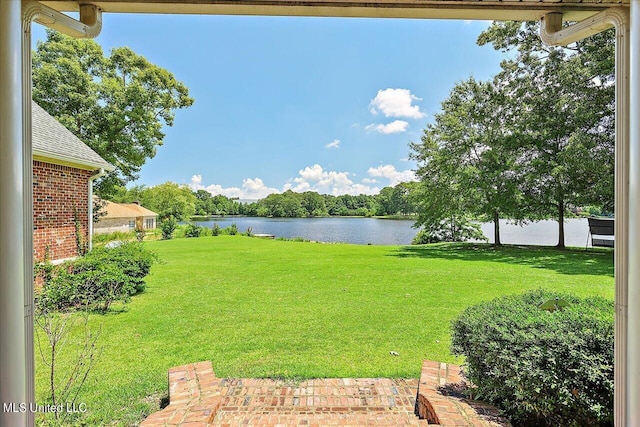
(132, 225)
(149, 223)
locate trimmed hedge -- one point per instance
(541, 368)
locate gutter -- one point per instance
(553, 34)
(63, 160)
(88, 27)
(101, 172)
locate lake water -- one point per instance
(397, 232)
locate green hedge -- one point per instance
(541, 368)
(98, 279)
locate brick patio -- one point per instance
(198, 398)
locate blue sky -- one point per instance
(324, 104)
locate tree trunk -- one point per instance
(560, 225)
(496, 229)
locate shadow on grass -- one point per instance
(597, 262)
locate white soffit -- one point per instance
(524, 10)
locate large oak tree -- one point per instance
(117, 104)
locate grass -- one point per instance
(268, 308)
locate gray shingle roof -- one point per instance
(54, 141)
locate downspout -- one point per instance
(627, 360)
(89, 26)
(92, 178)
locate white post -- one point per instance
(13, 230)
(621, 401)
(27, 183)
(633, 254)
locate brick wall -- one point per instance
(56, 191)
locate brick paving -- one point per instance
(199, 398)
(447, 410)
(332, 401)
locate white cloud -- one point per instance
(256, 189)
(312, 178)
(251, 188)
(394, 176)
(315, 178)
(333, 144)
(396, 126)
(396, 103)
(196, 182)
(312, 173)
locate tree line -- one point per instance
(182, 203)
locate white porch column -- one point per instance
(13, 231)
(27, 185)
(633, 254)
(621, 400)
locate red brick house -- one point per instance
(64, 169)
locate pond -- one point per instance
(397, 232)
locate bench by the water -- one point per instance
(604, 229)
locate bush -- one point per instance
(98, 279)
(140, 233)
(233, 229)
(541, 368)
(215, 230)
(449, 230)
(99, 284)
(131, 258)
(192, 230)
(168, 226)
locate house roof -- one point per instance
(126, 210)
(52, 141)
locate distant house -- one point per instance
(125, 217)
(64, 169)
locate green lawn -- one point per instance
(265, 308)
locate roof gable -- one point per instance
(52, 141)
(126, 210)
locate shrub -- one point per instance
(168, 226)
(98, 279)
(215, 230)
(99, 284)
(448, 230)
(131, 258)
(192, 230)
(233, 229)
(249, 232)
(140, 233)
(541, 368)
